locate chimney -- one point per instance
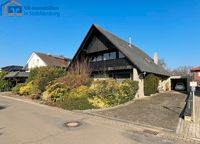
(155, 58)
(129, 41)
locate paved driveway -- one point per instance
(161, 110)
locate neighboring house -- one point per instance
(196, 74)
(11, 68)
(16, 77)
(18, 74)
(15, 74)
(111, 57)
(40, 59)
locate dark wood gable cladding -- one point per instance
(99, 43)
(105, 59)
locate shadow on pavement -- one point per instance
(170, 109)
(2, 107)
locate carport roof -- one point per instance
(17, 75)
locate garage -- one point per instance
(179, 81)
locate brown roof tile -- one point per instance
(54, 60)
(196, 69)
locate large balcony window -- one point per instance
(105, 56)
(99, 58)
(113, 55)
(94, 59)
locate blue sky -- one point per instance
(169, 27)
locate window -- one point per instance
(94, 59)
(121, 55)
(99, 58)
(37, 62)
(106, 56)
(113, 55)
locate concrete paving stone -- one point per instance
(161, 110)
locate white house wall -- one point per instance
(35, 61)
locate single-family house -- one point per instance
(109, 56)
(41, 59)
(20, 74)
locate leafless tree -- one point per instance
(182, 70)
(80, 67)
(162, 63)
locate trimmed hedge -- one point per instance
(151, 83)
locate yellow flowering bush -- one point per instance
(26, 89)
(99, 102)
(79, 92)
(77, 99)
(55, 92)
(106, 93)
(97, 94)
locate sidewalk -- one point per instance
(190, 128)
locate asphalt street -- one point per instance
(26, 122)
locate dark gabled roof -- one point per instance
(12, 68)
(134, 54)
(52, 60)
(139, 58)
(17, 75)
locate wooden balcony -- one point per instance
(109, 65)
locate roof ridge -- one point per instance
(55, 56)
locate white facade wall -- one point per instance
(35, 61)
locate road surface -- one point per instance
(26, 122)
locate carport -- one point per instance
(179, 79)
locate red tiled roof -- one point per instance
(196, 69)
(54, 60)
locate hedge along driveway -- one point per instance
(161, 110)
